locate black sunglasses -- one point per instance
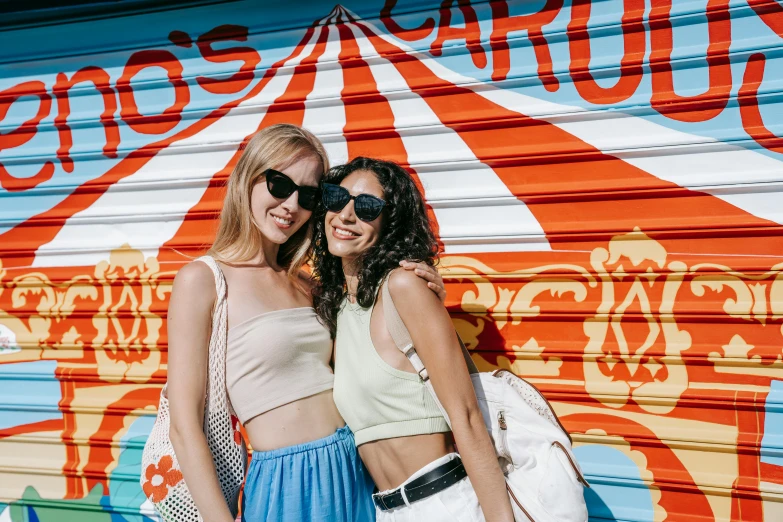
(366, 207)
(281, 187)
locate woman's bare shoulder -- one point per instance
(402, 281)
(408, 289)
(195, 280)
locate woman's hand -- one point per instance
(429, 274)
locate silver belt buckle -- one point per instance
(378, 499)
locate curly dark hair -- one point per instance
(406, 234)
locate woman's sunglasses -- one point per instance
(281, 187)
(366, 207)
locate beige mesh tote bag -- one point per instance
(161, 477)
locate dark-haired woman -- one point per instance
(374, 216)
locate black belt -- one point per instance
(432, 482)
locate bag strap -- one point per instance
(402, 338)
(220, 280)
(216, 395)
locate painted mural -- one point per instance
(606, 178)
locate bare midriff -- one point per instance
(391, 461)
(304, 420)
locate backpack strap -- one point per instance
(398, 331)
(402, 338)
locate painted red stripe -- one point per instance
(33, 427)
(679, 493)
(27, 237)
(771, 473)
(100, 456)
(369, 129)
(198, 229)
(745, 498)
(536, 159)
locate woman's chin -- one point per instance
(339, 250)
(275, 235)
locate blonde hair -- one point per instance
(238, 237)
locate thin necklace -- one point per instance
(345, 288)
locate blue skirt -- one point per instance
(319, 481)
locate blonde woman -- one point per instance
(278, 363)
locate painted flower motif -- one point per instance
(237, 434)
(160, 478)
(128, 287)
(634, 336)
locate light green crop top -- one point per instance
(376, 400)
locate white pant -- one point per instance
(457, 503)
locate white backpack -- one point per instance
(161, 477)
(543, 479)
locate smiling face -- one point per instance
(348, 236)
(279, 219)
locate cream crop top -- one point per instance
(377, 400)
(276, 358)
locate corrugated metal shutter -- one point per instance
(605, 177)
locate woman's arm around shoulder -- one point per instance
(436, 342)
(189, 325)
